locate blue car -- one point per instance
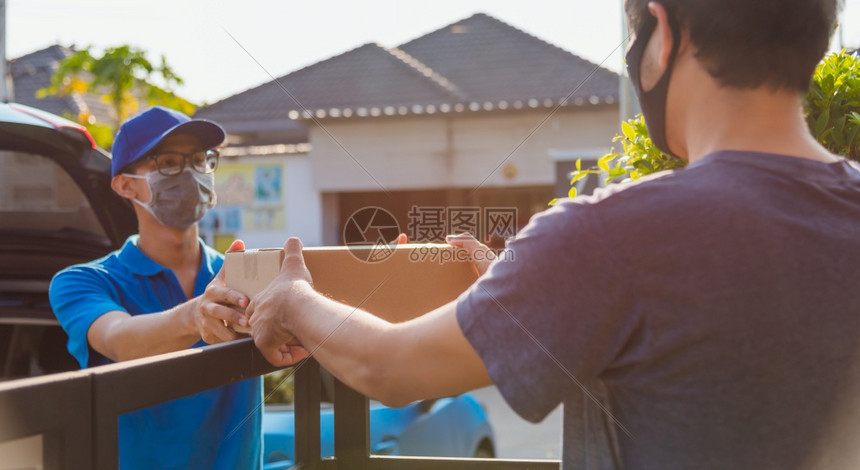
(452, 427)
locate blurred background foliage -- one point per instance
(124, 78)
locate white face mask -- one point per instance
(181, 200)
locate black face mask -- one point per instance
(653, 101)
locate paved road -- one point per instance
(517, 438)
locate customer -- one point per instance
(718, 305)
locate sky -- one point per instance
(223, 47)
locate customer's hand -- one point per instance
(270, 311)
(220, 307)
(482, 256)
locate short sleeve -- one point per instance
(78, 297)
(545, 318)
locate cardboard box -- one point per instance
(402, 283)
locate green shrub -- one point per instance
(833, 102)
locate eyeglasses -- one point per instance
(172, 163)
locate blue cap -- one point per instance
(142, 133)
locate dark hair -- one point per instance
(750, 43)
(133, 166)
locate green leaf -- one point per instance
(643, 165)
(578, 164)
(821, 122)
(827, 84)
(627, 130)
(578, 175)
(572, 193)
(839, 141)
(603, 162)
(854, 138)
(839, 124)
(616, 172)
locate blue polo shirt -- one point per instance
(215, 429)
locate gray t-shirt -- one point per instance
(712, 314)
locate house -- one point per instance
(33, 71)
(439, 131)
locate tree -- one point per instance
(124, 77)
(831, 107)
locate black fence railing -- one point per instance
(76, 413)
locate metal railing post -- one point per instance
(307, 414)
(351, 428)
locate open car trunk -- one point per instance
(56, 209)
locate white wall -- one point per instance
(303, 201)
(452, 150)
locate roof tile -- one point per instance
(493, 61)
(479, 63)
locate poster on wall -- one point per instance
(267, 184)
(250, 199)
(222, 219)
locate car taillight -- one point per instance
(80, 133)
(69, 128)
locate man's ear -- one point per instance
(122, 185)
(663, 33)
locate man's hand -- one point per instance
(219, 307)
(270, 310)
(482, 256)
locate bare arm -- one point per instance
(394, 363)
(120, 336)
